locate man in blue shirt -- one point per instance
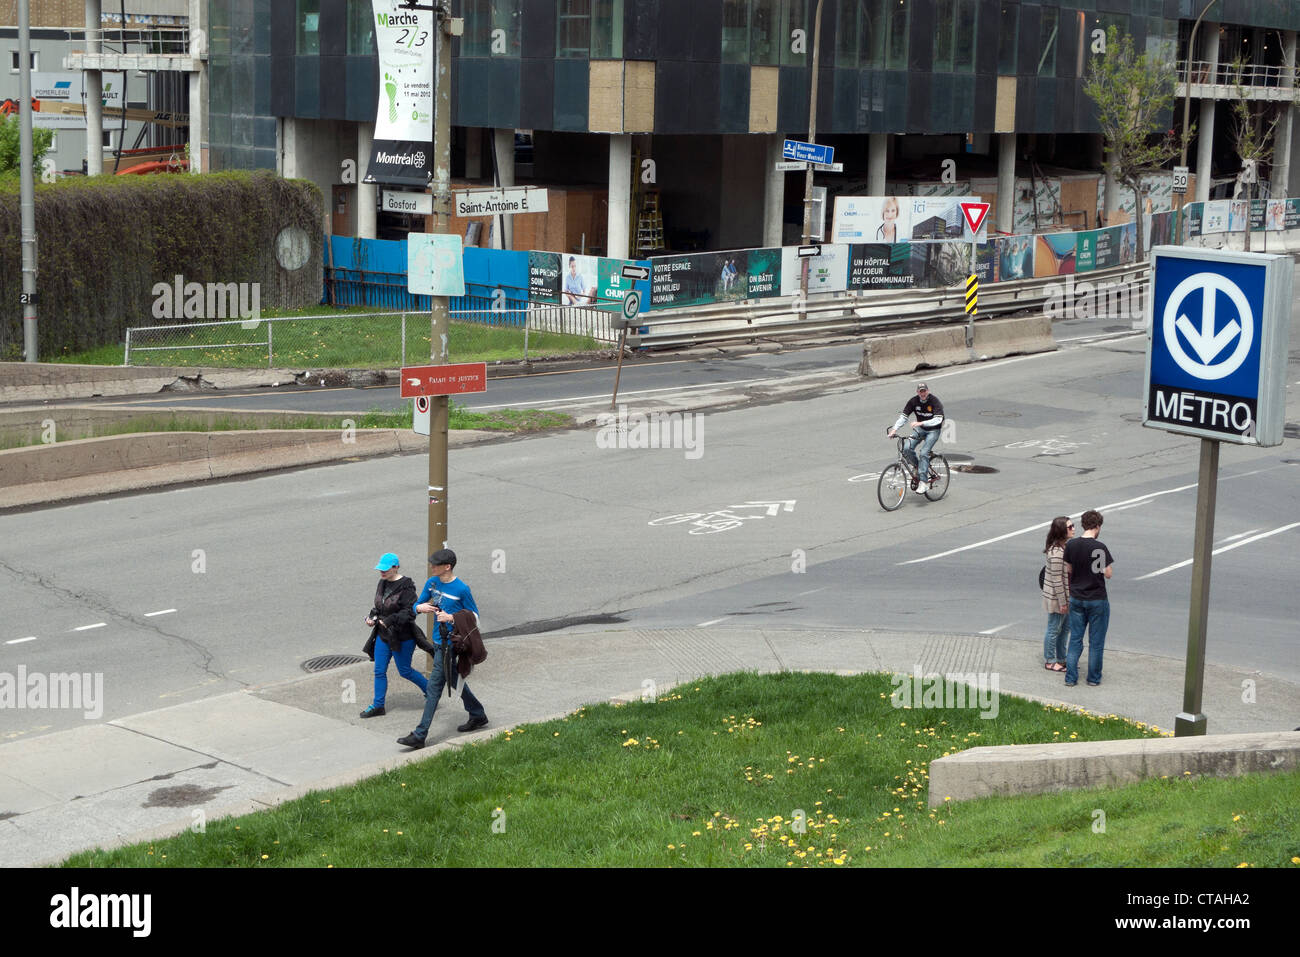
(443, 595)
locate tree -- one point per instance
(9, 143)
(1133, 95)
(1253, 126)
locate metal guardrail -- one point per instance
(1223, 74)
(838, 312)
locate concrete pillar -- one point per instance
(367, 193)
(198, 86)
(503, 145)
(1282, 141)
(618, 229)
(1205, 128)
(94, 81)
(473, 152)
(877, 159)
(773, 194)
(1006, 183)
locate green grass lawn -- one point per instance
(786, 770)
(499, 420)
(350, 340)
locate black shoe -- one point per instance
(372, 712)
(914, 484)
(411, 741)
(473, 723)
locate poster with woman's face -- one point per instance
(871, 219)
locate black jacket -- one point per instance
(394, 610)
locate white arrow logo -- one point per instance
(413, 383)
(1207, 342)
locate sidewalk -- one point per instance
(155, 774)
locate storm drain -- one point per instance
(326, 662)
(975, 469)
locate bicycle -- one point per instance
(896, 479)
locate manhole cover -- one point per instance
(999, 414)
(326, 662)
(975, 469)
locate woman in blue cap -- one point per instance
(393, 618)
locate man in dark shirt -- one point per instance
(1087, 566)
(929, 421)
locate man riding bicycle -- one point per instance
(929, 419)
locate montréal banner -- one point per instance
(403, 147)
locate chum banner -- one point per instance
(701, 278)
(572, 280)
(872, 220)
(403, 148)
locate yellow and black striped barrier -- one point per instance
(972, 294)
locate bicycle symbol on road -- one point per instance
(724, 520)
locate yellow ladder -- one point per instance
(649, 224)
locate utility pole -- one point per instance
(812, 138)
(27, 197)
(1187, 107)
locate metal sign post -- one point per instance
(631, 308)
(1216, 369)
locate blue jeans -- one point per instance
(437, 681)
(1095, 616)
(923, 441)
(1058, 631)
(383, 654)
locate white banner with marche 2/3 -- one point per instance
(403, 147)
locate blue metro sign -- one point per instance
(1214, 367)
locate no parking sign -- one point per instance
(1217, 345)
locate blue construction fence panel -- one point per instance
(372, 272)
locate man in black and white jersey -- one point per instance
(929, 421)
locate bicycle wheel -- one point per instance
(940, 472)
(892, 487)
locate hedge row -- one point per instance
(103, 244)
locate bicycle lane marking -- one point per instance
(1113, 506)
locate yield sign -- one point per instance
(975, 213)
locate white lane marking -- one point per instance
(1114, 506)
(712, 621)
(1219, 551)
(812, 592)
(1238, 535)
(994, 631)
(98, 624)
(165, 611)
(1145, 501)
(19, 641)
(567, 400)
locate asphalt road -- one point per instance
(181, 594)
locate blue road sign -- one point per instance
(808, 152)
(1214, 367)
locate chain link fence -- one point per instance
(487, 324)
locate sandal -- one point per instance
(1054, 666)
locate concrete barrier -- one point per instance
(905, 352)
(1047, 768)
(22, 381)
(1022, 335)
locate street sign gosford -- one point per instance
(1217, 344)
(808, 152)
(444, 380)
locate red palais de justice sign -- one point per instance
(444, 380)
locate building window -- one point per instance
(765, 40)
(361, 27)
(1008, 35)
(309, 26)
(896, 34)
(491, 28)
(860, 40)
(965, 37)
(735, 31)
(1048, 33)
(943, 21)
(590, 28)
(796, 17)
(15, 60)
